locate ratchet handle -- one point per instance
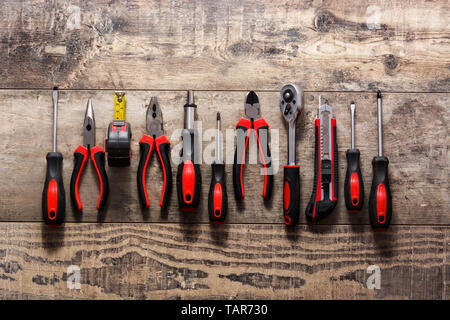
(380, 198)
(217, 196)
(291, 195)
(53, 195)
(353, 185)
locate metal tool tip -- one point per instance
(352, 102)
(190, 97)
(218, 115)
(252, 98)
(55, 88)
(378, 94)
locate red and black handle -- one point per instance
(291, 195)
(380, 198)
(324, 199)
(353, 185)
(189, 177)
(162, 145)
(217, 197)
(53, 195)
(97, 156)
(243, 129)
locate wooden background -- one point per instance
(342, 50)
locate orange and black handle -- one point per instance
(189, 177)
(97, 156)
(324, 199)
(380, 199)
(353, 185)
(217, 197)
(291, 195)
(162, 145)
(53, 196)
(243, 129)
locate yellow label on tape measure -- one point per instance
(119, 105)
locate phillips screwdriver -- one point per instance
(189, 178)
(53, 195)
(291, 105)
(217, 197)
(380, 199)
(353, 185)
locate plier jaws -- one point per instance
(89, 127)
(154, 121)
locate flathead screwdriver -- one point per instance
(353, 185)
(380, 199)
(53, 195)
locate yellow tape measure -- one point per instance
(119, 105)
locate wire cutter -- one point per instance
(252, 122)
(97, 155)
(154, 138)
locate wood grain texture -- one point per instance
(234, 44)
(167, 261)
(416, 140)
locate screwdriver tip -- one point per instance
(218, 115)
(352, 102)
(55, 88)
(378, 94)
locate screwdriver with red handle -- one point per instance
(380, 198)
(217, 197)
(353, 185)
(53, 195)
(189, 177)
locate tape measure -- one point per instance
(118, 145)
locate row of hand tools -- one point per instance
(188, 179)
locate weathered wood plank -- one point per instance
(234, 44)
(165, 261)
(415, 140)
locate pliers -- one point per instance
(252, 122)
(154, 138)
(98, 158)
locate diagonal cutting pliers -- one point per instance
(154, 138)
(97, 155)
(252, 122)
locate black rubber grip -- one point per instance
(163, 150)
(99, 162)
(217, 196)
(79, 163)
(189, 178)
(238, 164)
(53, 195)
(145, 147)
(353, 185)
(380, 199)
(291, 195)
(265, 157)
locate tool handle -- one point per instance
(53, 195)
(262, 133)
(80, 157)
(242, 136)
(98, 158)
(322, 203)
(189, 177)
(163, 151)
(189, 181)
(146, 146)
(291, 195)
(353, 185)
(217, 196)
(380, 199)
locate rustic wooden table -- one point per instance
(343, 50)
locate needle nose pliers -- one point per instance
(154, 138)
(97, 155)
(252, 122)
